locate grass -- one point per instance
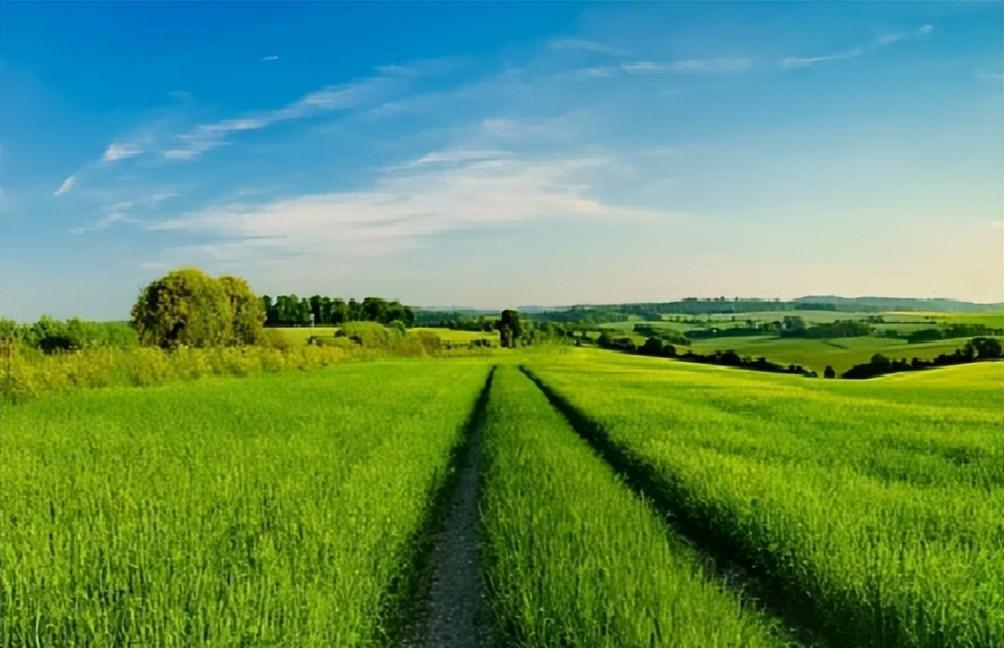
(460, 337)
(277, 510)
(300, 335)
(574, 558)
(877, 503)
(841, 353)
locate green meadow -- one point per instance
(623, 501)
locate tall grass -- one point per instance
(879, 505)
(573, 558)
(278, 510)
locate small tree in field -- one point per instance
(185, 307)
(829, 372)
(247, 311)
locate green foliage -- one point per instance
(247, 311)
(510, 329)
(573, 558)
(282, 510)
(184, 308)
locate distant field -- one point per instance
(460, 337)
(299, 335)
(841, 353)
(810, 316)
(992, 319)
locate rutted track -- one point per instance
(450, 611)
(722, 560)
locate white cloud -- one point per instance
(586, 45)
(66, 186)
(879, 42)
(799, 62)
(120, 151)
(206, 137)
(438, 193)
(270, 57)
(114, 213)
(721, 65)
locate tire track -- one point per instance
(450, 611)
(722, 560)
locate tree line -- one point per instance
(320, 310)
(656, 347)
(975, 350)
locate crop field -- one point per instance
(616, 500)
(569, 570)
(876, 505)
(279, 510)
(841, 353)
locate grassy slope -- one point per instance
(574, 558)
(276, 509)
(880, 500)
(841, 353)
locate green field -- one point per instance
(300, 335)
(266, 511)
(841, 353)
(623, 501)
(878, 502)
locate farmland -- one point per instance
(619, 501)
(278, 508)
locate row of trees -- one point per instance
(290, 310)
(655, 346)
(977, 349)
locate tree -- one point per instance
(653, 346)
(829, 372)
(184, 307)
(985, 347)
(510, 329)
(247, 313)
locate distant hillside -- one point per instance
(899, 303)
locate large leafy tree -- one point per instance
(247, 312)
(184, 307)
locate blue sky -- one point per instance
(495, 155)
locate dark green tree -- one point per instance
(510, 329)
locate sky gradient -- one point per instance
(500, 155)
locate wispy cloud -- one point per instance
(114, 214)
(879, 42)
(270, 57)
(205, 137)
(440, 192)
(120, 151)
(587, 46)
(66, 186)
(792, 62)
(720, 65)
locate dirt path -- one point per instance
(451, 611)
